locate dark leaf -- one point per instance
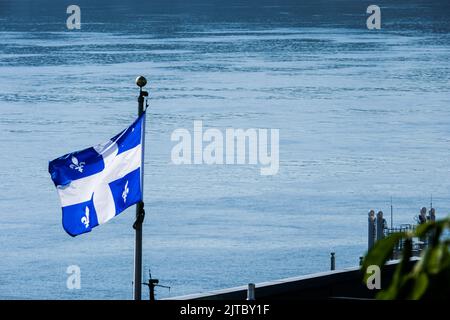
(419, 287)
(381, 252)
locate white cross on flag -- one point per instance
(98, 183)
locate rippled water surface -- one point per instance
(363, 116)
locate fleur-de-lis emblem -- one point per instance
(77, 165)
(125, 192)
(85, 218)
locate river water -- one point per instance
(363, 116)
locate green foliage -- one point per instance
(429, 278)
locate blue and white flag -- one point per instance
(98, 183)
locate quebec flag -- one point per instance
(98, 183)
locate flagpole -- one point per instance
(140, 213)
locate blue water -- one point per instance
(363, 116)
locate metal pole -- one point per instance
(371, 235)
(140, 213)
(251, 292)
(432, 214)
(152, 284)
(333, 261)
(431, 201)
(392, 215)
(380, 225)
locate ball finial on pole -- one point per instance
(141, 81)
